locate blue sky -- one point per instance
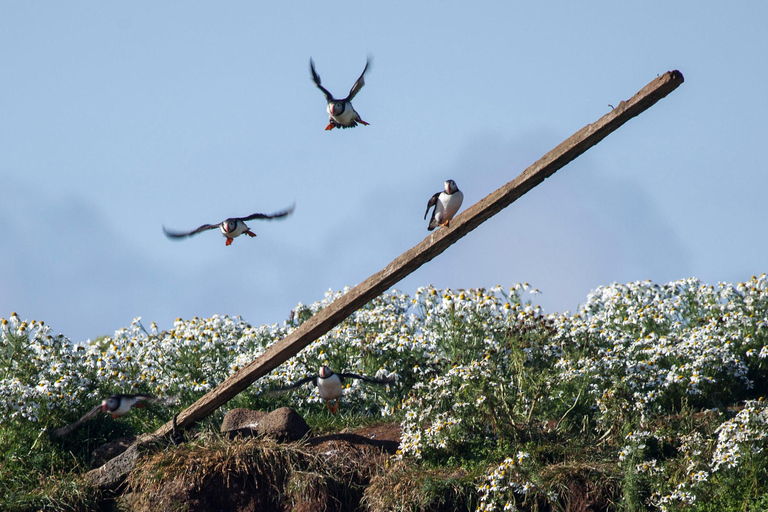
(117, 118)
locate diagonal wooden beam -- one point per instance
(434, 244)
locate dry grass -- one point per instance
(406, 487)
(583, 486)
(215, 473)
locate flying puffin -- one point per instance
(341, 114)
(116, 405)
(329, 385)
(230, 228)
(446, 203)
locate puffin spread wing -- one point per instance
(152, 398)
(359, 83)
(64, 431)
(182, 234)
(313, 379)
(297, 384)
(60, 432)
(432, 202)
(206, 227)
(275, 215)
(372, 380)
(316, 79)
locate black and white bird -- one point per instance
(446, 202)
(232, 227)
(341, 114)
(116, 405)
(329, 385)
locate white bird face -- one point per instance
(110, 404)
(228, 227)
(450, 187)
(325, 372)
(337, 108)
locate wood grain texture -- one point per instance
(437, 242)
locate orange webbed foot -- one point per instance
(363, 122)
(250, 233)
(333, 408)
(329, 127)
(229, 241)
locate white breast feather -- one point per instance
(330, 388)
(448, 205)
(124, 407)
(346, 117)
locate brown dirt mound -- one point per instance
(324, 473)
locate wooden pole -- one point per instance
(434, 244)
(115, 470)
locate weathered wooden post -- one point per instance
(434, 244)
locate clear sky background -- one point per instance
(119, 117)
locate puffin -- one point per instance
(232, 227)
(341, 114)
(116, 405)
(446, 202)
(329, 384)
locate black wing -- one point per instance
(276, 215)
(64, 431)
(151, 398)
(372, 380)
(297, 384)
(316, 79)
(359, 83)
(432, 202)
(182, 234)
(166, 400)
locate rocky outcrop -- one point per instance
(118, 458)
(282, 424)
(113, 472)
(109, 451)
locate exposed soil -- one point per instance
(385, 436)
(324, 473)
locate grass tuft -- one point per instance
(407, 487)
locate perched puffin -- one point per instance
(230, 228)
(116, 405)
(446, 203)
(329, 385)
(341, 114)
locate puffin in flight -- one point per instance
(341, 114)
(116, 405)
(446, 203)
(329, 385)
(232, 227)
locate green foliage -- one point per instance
(648, 397)
(36, 474)
(408, 488)
(598, 387)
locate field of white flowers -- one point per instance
(656, 391)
